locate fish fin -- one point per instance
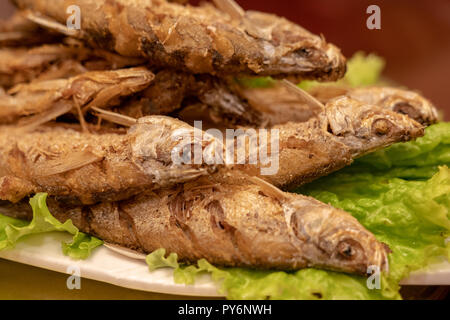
(115, 117)
(125, 251)
(65, 164)
(269, 189)
(303, 94)
(31, 123)
(231, 7)
(51, 24)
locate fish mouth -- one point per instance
(385, 131)
(310, 62)
(425, 115)
(362, 257)
(353, 249)
(378, 259)
(398, 129)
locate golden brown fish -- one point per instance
(294, 153)
(232, 222)
(315, 143)
(197, 39)
(87, 168)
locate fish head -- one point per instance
(171, 150)
(366, 128)
(333, 239)
(402, 101)
(292, 50)
(313, 59)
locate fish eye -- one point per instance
(304, 52)
(348, 249)
(381, 127)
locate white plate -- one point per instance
(105, 265)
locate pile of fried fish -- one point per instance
(92, 117)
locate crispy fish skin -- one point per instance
(402, 101)
(170, 89)
(162, 97)
(224, 103)
(231, 222)
(96, 88)
(88, 168)
(200, 39)
(20, 65)
(306, 152)
(399, 100)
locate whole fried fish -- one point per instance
(88, 168)
(56, 97)
(230, 222)
(314, 143)
(197, 39)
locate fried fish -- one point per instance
(231, 222)
(294, 153)
(199, 39)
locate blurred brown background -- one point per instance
(414, 36)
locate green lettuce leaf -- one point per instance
(12, 230)
(402, 198)
(158, 260)
(364, 70)
(259, 82)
